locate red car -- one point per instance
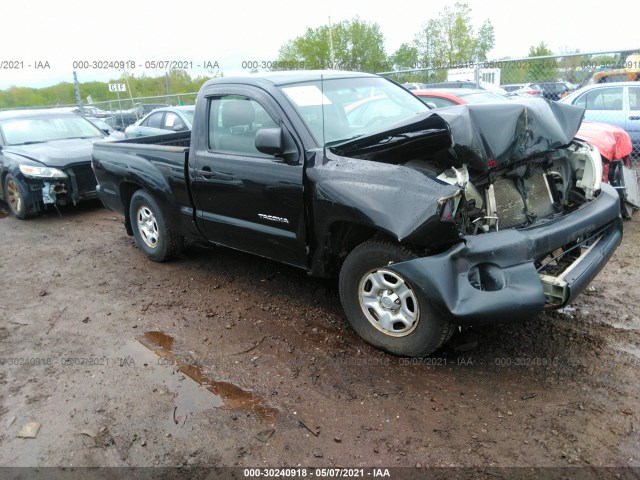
(614, 143)
(446, 97)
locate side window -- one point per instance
(612, 98)
(173, 122)
(601, 99)
(634, 98)
(581, 101)
(155, 120)
(233, 123)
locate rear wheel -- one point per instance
(384, 307)
(14, 196)
(150, 230)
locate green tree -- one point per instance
(543, 69)
(357, 45)
(64, 93)
(405, 58)
(450, 39)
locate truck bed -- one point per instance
(179, 139)
(156, 163)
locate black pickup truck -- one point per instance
(430, 219)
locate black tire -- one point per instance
(413, 338)
(150, 230)
(15, 197)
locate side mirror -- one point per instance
(270, 141)
(432, 105)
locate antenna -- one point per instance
(324, 140)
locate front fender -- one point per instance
(394, 199)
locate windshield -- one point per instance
(352, 107)
(45, 128)
(102, 125)
(189, 114)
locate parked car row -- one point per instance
(119, 119)
(551, 90)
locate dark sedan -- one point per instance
(45, 160)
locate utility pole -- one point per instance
(78, 98)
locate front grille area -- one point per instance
(83, 180)
(509, 204)
(512, 208)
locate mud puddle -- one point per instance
(202, 393)
(190, 399)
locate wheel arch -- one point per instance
(413, 328)
(337, 241)
(127, 189)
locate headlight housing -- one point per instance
(41, 172)
(591, 165)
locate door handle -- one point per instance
(206, 173)
(634, 118)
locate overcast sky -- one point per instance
(63, 31)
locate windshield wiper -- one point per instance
(335, 143)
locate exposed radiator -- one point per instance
(510, 204)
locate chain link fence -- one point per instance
(606, 84)
(123, 112)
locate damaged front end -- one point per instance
(49, 186)
(529, 195)
(535, 225)
(531, 191)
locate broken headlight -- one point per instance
(41, 172)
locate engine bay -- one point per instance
(522, 194)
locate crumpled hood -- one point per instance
(56, 153)
(482, 136)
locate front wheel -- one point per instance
(383, 307)
(150, 230)
(15, 198)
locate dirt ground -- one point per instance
(224, 359)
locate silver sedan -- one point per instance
(162, 120)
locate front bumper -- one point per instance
(501, 266)
(79, 185)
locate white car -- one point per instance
(162, 120)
